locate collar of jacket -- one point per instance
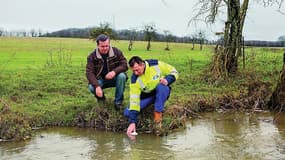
(111, 53)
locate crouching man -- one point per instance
(150, 83)
(106, 67)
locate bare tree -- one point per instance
(1, 32)
(33, 33)
(104, 28)
(24, 33)
(193, 40)
(149, 32)
(168, 38)
(40, 32)
(226, 59)
(201, 38)
(198, 37)
(132, 34)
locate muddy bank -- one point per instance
(277, 100)
(253, 97)
(14, 126)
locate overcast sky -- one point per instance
(51, 15)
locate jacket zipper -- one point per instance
(100, 68)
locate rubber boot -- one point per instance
(157, 123)
(157, 117)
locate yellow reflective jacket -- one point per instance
(154, 71)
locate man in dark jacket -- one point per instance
(106, 67)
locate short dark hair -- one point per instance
(101, 37)
(135, 59)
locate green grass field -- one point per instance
(45, 77)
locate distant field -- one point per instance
(34, 52)
(47, 75)
(23, 54)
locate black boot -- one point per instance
(118, 106)
(101, 100)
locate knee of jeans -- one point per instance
(91, 88)
(121, 76)
(126, 112)
(162, 88)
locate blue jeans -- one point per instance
(119, 82)
(161, 95)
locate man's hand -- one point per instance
(163, 81)
(130, 130)
(110, 75)
(99, 91)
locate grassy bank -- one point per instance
(44, 79)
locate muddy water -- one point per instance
(213, 136)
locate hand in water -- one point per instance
(131, 131)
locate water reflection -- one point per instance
(215, 136)
(118, 146)
(279, 121)
(229, 136)
(75, 143)
(52, 143)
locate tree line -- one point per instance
(22, 33)
(135, 35)
(125, 34)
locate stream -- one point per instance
(212, 136)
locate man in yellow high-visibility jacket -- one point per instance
(150, 83)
